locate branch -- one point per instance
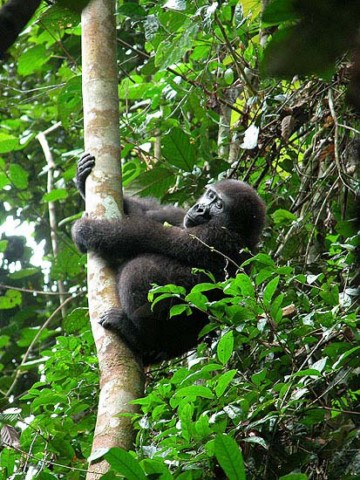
(52, 207)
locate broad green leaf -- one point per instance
(152, 183)
(294, 476)
(156, 468)
(307, 372)
(47, 397)
(76, 320)
(223, 382)
(11, 299)
(198, 299)
(257, 440)
(70, 101)
(270, 290)
(257, 378)
(179, 309)
(194, 391)
(241, 284)
(54, 195)
(230, 458)
(123, 462)
(225, 347)
(32, 60)
(4, 341)
(178, 150)
(18, 176)
(202, 426)
(276, 310)
(344, 356)
(7, 462)
(131, 10)
(283, 217)
(132, 170)
(8, 143)
(170, 52)
(24, 272)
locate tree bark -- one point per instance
(121, 376)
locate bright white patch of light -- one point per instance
(13, 226)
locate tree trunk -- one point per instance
(121, 377)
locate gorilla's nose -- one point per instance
(201, 208)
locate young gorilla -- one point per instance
(228, 217)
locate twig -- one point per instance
(336, 140)
(28, 290)
(52, 207)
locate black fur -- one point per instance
(227, 218)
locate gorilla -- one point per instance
(210, 236)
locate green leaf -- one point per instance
(131, 10)
(156, 468)
(7, 462)
(223, 382)
(123, 462)
(241, 284)
(179, 309)
(344, 356)
(11, 299)
(259, 377)
(76, 320)
(294, 476)
(32, 60)
(225, 347)
(8, 143)
(152, 183)
(307, 372)
(270, 290)
(170, 52)
(18, 176)
(54, 195)
(229, 457)
(70, 101)
(24, 273)
(197, 299)
(194, 391)
(178, 150)
(283, 217)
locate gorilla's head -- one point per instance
(231, 204)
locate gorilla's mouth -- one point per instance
(189, 221)
(194, 220)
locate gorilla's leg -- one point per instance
(116, 319)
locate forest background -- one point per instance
(281, 380)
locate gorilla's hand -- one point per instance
(84, 167)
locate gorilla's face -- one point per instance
(210, 206)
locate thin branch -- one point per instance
(52, 207)
(336, 140)
(29, 290)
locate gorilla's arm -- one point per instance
(133, 206)
(153, 209)
(137, 235)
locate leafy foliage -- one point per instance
(273, 392)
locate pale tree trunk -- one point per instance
(121, 377)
